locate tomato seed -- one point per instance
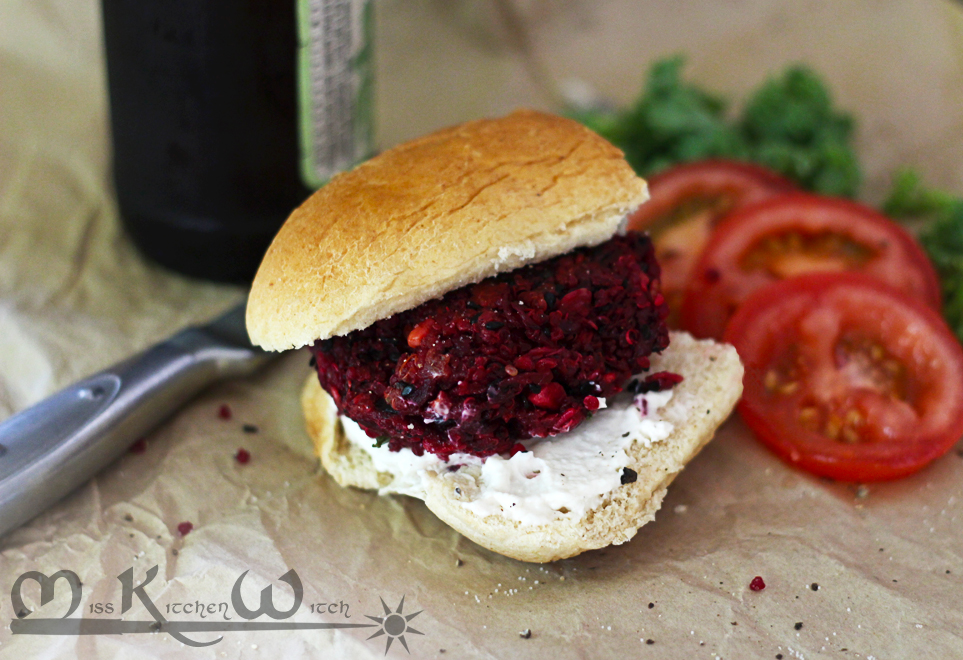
(789, 388)
(833, 426)
(809, 417)
(772, 380)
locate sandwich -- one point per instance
(485, 336)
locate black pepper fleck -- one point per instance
(798, 625)
(628, 476)
(129, 518)
(650, 641)
(459, 563)
(779, 656)
(526, 634)
(651, 605)
(814, 586)
(249, 428)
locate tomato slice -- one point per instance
(848, 377)
(686, 203)
(798, 233)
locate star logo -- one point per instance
(395, 624)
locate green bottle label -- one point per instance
(335, 86)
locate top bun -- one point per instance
(435, 214)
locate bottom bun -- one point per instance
(711, 386)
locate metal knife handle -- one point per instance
(52, 448)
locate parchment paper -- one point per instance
(851, 572)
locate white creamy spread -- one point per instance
(566, 475)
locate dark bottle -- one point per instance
(212, 120)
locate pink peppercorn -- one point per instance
(224, 412)
(242, 456)
(757, 584)
(185, 528)
(591, 402)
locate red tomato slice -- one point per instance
(847, 377)
(799, 233)
(686, 203)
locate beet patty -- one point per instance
(524, 354)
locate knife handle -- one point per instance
(50, 449)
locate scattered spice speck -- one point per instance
(526, 634)
(651, 605)
(650, 641)
(459, 563)
(175, 552)
(814, 586)
(242, 456)
(185, 528)
(128, 517)
(757, 583)
(139, 447)
(779, 656)
(798, 625)
(249, 428)
(224, 412)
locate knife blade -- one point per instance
(51, 448)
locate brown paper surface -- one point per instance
(75, 297)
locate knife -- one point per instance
(50, 449)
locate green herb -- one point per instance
(788, 124)
(671, 122)
(941, 235)
(909, 198)
(791, 126)
(381, 440)
(943, 242)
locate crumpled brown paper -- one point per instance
(850, 572)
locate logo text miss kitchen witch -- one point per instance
(214, 617)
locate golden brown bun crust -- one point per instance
(435, 214)
(701, 402)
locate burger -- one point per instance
(485, 336)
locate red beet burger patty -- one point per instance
(525, 354)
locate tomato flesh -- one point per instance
(848, 377)
(686, 202)
(793, 234)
